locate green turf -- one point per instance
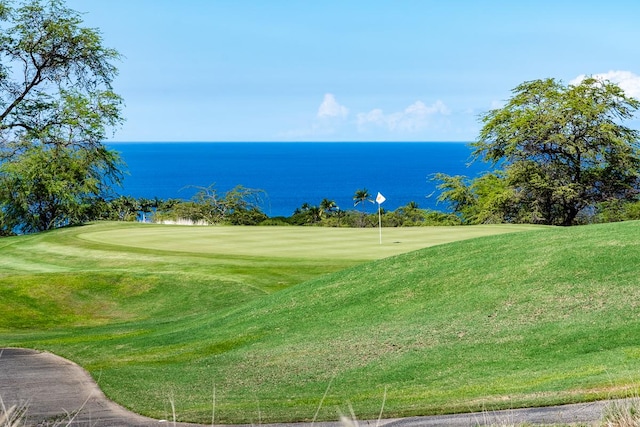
(292, 242)
(160, 313)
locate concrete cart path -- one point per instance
(55, 389)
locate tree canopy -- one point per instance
(56, 107)
(560, 150)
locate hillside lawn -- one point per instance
(269, 324)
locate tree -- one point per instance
(327, 207)
(456, 191)
(410, 214)
(307, 214)
(563, 148)
(238, 206)
(242, 205)
(56, 105)
(122, 208)
(484, 200)
(50, 188)
(206, 205)
(361, 196)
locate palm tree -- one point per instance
(361, 196)
(327, 206)
(315, 214)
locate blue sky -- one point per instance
(339, 70)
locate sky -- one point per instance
(348, 70)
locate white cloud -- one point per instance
(331, 109)
(415, 117)
(376, 117)
(332, 122)
(628, 81)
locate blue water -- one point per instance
(295, 173)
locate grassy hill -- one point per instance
(166, 313)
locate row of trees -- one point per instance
(241, 206)
(327, 213)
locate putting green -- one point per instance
(292, 242)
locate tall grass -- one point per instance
(12, 416)
(16, 416)
(622, 413)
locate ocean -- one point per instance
(292, 174)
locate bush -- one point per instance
(615, 211)
(246, 217)
(275, 221)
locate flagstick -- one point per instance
(380, 200)
(380, 223)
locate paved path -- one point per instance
(53, 388)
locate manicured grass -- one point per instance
(159, 313)
(292, 242)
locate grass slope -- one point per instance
(511, 320)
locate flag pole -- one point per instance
(380, 199)
(380, 223)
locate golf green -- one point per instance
(291, 242)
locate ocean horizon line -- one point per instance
(286, 142)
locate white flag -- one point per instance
(380, 199)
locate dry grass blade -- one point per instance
(384, 400)
(315, 417)
(12, 416)
(622, 413)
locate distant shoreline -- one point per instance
(286, 142)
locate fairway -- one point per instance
(292, 242)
